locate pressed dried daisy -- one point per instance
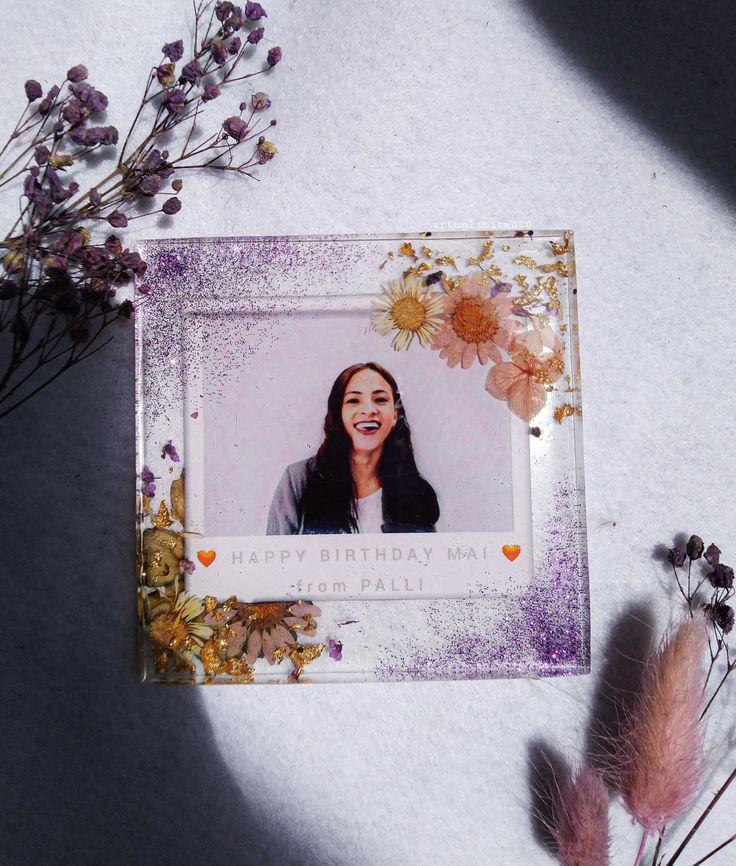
(410, 309)
(270, 626)
(177, 630)
(476, 326)
(523, 380)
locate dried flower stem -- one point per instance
(719, 793)
(659, 845)
(731, 666)
(685, 595)
(716, 850)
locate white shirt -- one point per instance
(370, 512)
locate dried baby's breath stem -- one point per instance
(57, 281)
(729, 669)
(659, 845)
(696, 826)
(716, 850)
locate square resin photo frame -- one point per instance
(360, 458)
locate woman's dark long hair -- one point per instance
(328, 503)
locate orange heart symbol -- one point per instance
(206, 557)
(511, 551)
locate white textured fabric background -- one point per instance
(392, 116)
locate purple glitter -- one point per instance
(546, 634)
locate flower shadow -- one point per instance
(102, 769)
(619, 684)
(547, 774)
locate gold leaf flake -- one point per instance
(406, 249)
(391, 255)
(162, 519)
(177, 498)
(418, 269)
(210, 603)
(506, 247)
(563, 329)
(563, 248)
(446, 260)
(161, 662)
(453, 283)
(487, 253)
(302, 655)
(527, 261)
(562, 412)
(521, 280)
(428, 253)
(495, 270)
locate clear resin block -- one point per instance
(360, 458)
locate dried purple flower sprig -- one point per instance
(718, 579)
(59, 289)
(659, 763)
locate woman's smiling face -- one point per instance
(368, 410)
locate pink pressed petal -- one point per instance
(268, 646)
(282, 636)
(254, 647)
(484, 352)
(294, 621)
(302, 608)
(504, 305)
(235, 644)
(442, 337)
(532, 341)
(472, 290)
(502, 337)
(453, 353)
(502, 378)
(493, 352)
(527, 398)
(549, 338)
(470, 353)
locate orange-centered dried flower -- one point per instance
(270, 626)
(476, 326)
(661, 752)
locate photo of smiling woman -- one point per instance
(364, 477)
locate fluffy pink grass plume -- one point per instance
(662, 748)
(581, 830)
